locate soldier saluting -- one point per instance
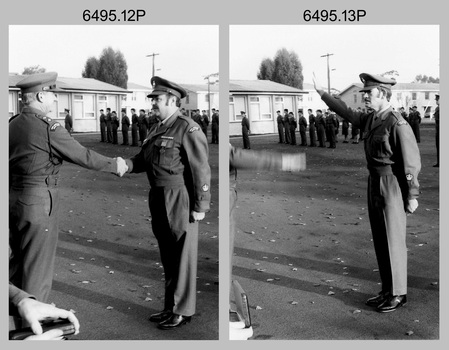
(394, 163)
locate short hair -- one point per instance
(108, 109)
(133, 109)
(278, 111)
(309, 110)
(285, 110)
(142, 110)
(101, 110)
(386, 92)
(319, 110)
(28, 97)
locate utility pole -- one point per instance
(328, 73)
(152, 55)
(208, 87)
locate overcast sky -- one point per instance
(186, 53)
(410, 50)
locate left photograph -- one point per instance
(113, 182)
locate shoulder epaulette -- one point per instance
(13, 117)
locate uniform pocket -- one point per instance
(380, 146)
(165, 151)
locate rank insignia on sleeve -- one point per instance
(193, 129)
(409, 177)
(205, 188)
(402, 122)
(54, 126)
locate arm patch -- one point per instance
(194, 128)
(55, 126)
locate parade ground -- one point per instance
(108, 268)
(305, 256)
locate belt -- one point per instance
(168, 181)
(380, 170)
(34, 181)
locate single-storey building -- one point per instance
(201, 96)
(260, 99)
(84, 97)
(403, 95)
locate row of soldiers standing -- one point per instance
(203, 121)
(322, 128)
(139, 124)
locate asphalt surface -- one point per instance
(305, 256)
(108, 268)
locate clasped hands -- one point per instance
(122, 168)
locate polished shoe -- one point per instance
(174, 321)
(392, 303)
(378, 299)
(161, 316)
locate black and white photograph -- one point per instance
(113, 182)
(334, 196)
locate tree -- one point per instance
(111, 68)
(33, 70)
(266, 69)
(285, 68)
(91, 68)
(424, 79)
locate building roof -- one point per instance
(200, 87)
(134, 86)
(400, 87)
(75, 84)
(261, 86)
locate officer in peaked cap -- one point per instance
(394, 163)
(162, 86)
(37, 147)
(39, 83)
(175, 157)
(371, 81)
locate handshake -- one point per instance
(122, 168)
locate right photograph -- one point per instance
(334, 182)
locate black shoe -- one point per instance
(392, 303)
(378, 299)
(436, 165)
(161, 316)
(174, 321)
(345, 142)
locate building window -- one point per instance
(414, 96)
(426, 95)
(399, 96)
(355, 98)
(260, 108)
(278, 99)
(300, 98)
(253, 99)
(78, 97)
(187, 99)
(231, 99)
(206, 98)
(102, 98)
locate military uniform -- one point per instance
(345, 130)
(312, 131)
(205, 123)
(245, 131)
(175, 159)
(393, 162)
(143, 128)
(103, 127)
(280, 128)
(321, 130)
(414, 119)
(125, 130)
(288, 138)
(436, 115)
(37, 148)
(215, 127)
(303, 129)
(134, 129)
(115, 123)
(109, 126)
(68, 122)
(331, 125)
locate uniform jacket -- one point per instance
(414, 118)
(302, 123)
(245, 123)
(177, 153)
(125, 122)
(389, 140)
(38, 146)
